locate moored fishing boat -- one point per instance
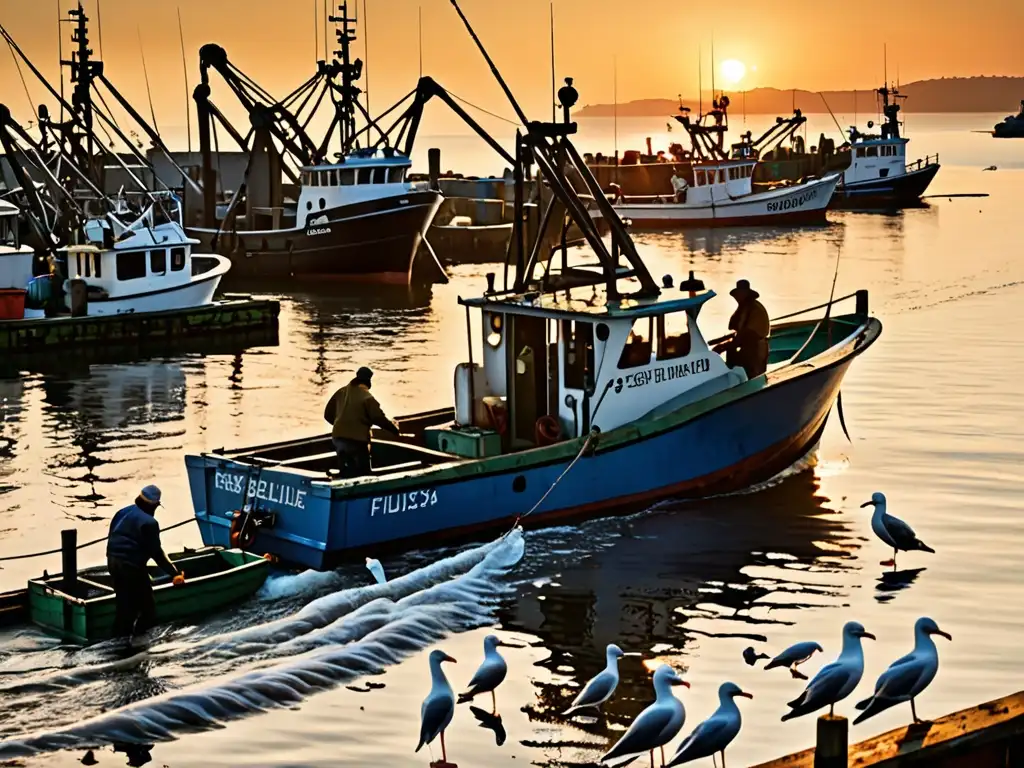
(82, 609)
(1012, 126)
(718, 188)
(598, 392)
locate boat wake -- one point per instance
(330, 641)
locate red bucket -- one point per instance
(12, 303)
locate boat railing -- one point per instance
(861, 308)
(924, 162)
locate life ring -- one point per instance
(548, 430)
(243, 530)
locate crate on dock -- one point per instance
(469, 442)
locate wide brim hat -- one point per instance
(743, 288)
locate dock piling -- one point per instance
(69, 559)
(831, 748)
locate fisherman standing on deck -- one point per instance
(351, 411)
(133, 541)
(748, 346)
(679, 186)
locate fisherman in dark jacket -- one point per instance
(748, 346)
(133, 541)
(351, 411)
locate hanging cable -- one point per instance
(481, 109)
(87, 544)
(28, 96)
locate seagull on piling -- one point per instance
(653, 728)
(893, 531)
(602, 685)
(906, 677)
(374, 567)
(794, 656)
(835, 681)
(490, 673)
(439, 706)
(717, 732)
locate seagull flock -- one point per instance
(657, 725)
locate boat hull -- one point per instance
(732, 441)
(905, 189)
(371, 242)
(801, 204)
(213, 580)
(199, 292)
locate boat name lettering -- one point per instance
(318, 231)
(792, 202)
(402, 502)
(262, 490)
(668, 373)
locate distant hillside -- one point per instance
(957, 94)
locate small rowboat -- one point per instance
(82, 609)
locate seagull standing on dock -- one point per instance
(374, 567)
(717, 732)
(794, 656)
(906, 677)
(893, 531)
(602, 685)
(490, 674)
(653, 728)
(439, 706)
(835, 681)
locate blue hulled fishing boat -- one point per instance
(597, 393)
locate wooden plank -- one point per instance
(976, 736)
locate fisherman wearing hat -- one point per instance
(751, 327)
(133, 541)
(351, 411)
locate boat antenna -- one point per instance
(421, 40)
(700, 85)
(99, 26)
(615, 111)
(366, 57)
(551, 9)
(713, 96)
(327, 56)
(145, 74)
(316, 33)
(60, 58)
(885, 63)
(184, 67)
(490, 63)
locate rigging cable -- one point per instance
(87, 544)
(145, 72)
(481, 109)
(28, 96)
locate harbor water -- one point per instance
(330, 670)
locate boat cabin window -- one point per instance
(579, 354)
(131, 265)
(363, 176)
(397, 175)
(158, 262)
(177, 259)
(872, 151)
(639, 344)
(673, 336)
(732, 174)
(89, 264)
(860, 151)
(347, 177)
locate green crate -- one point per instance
(469, 442)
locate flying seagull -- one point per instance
(835, 681)
(794, 656)
(602, 685)
(656, 726)
(717, 732)
(490, 673)
(439, 706)
(893, 531)
(906, 677)
(374, 567)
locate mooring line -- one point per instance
(87, 544)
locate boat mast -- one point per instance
(350, 73)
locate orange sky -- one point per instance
(792, 44)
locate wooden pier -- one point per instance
(989, 735)
(167, 328)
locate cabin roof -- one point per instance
(876, 140)
(556, 305)
(352, 161)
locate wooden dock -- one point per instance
(42, 335)
(989, 735)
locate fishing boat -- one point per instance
(598, 392)
(1012, 127)
(878, 172)
(82, 609)
(16, 262)
(299, 212)
(140, 264)
(718, 189)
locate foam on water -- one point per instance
(332, 640)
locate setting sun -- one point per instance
(733, 70)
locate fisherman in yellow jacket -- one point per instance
(351, 411)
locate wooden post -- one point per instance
(831, 748)
(69, 559)
(434, 168)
